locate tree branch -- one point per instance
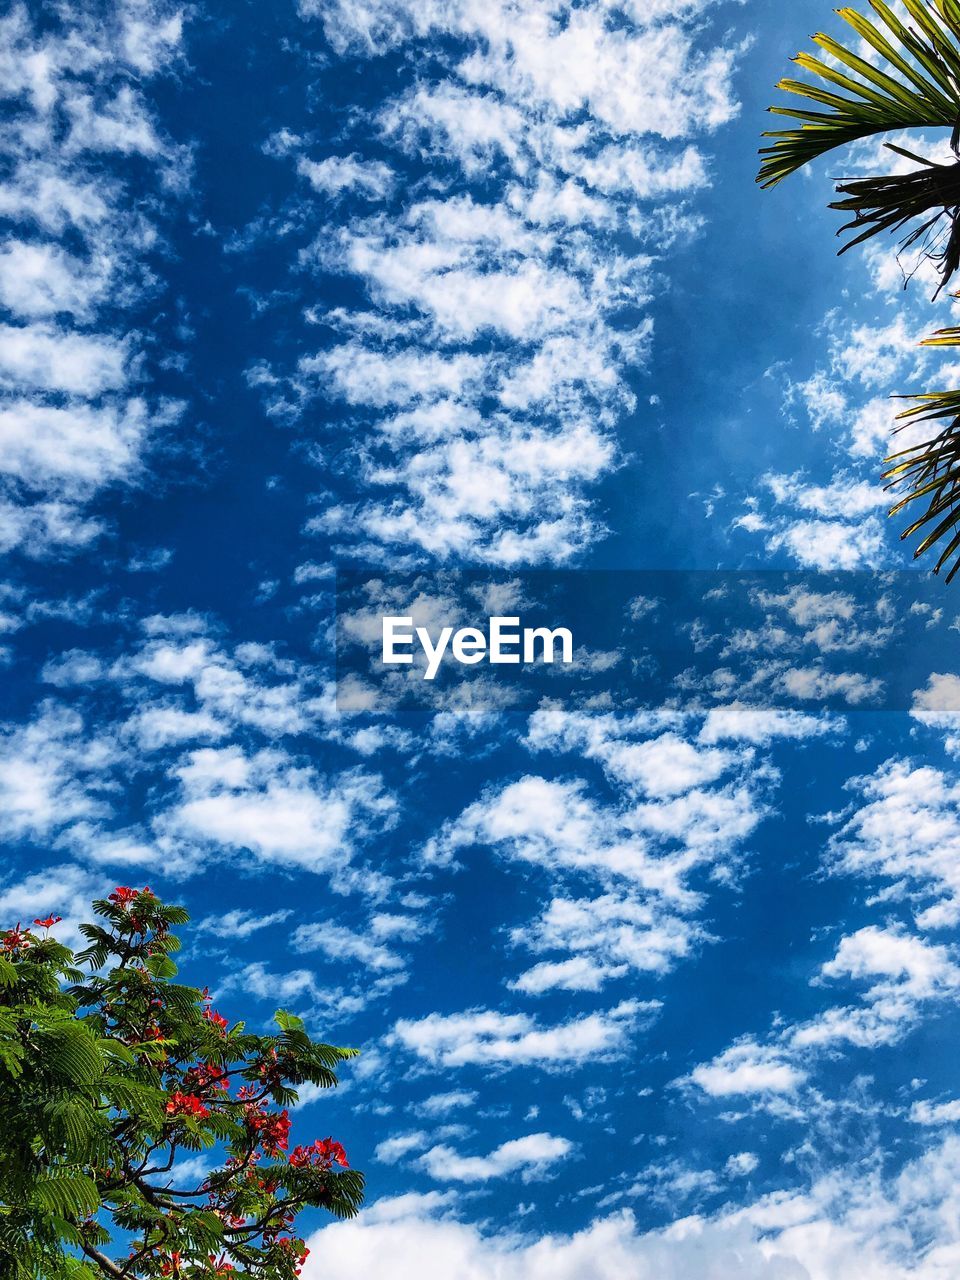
(103, 1262)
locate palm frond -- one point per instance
(925, 91)
(930, 197)
(931, 470)
(918, 88)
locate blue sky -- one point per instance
(644, 986)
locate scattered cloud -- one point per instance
(76, 417)
(492, 1039)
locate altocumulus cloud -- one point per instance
(486, 370)
(76, 416)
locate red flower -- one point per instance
(300, 1256)
(16, 938)
(273, 1132)
(186, 1104)
(217, 1019)
(49, 922)
(207, 1075)
(122, 896)
(171, 1265)
(323, 1154)
(331, 1152)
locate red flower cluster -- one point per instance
(270, 1071)
(286, 1243)
(48, 923)
(171, 1266)
(207, 1075)
(15, 939)
(321, 1155)
(273, 1132)
(186, 1104)
(218, 1020)
(123, 896)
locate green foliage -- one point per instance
(910, 79)
(931, 470)
(919, 90)
(109, 1071)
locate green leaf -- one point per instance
(67, 1194)
(71, 1052)
(162, 967)
(919, 87)
(288, 1021)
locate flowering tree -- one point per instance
(110, 1074)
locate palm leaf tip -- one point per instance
(850, 98)
(929, 472)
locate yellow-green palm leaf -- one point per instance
(920, 88)
(917, 85)
(931, 471)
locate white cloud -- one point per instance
(44, 526)
(639, 79)
(51, 359)
(577, 974)
(559, 825)
(909, 972)
(450, 121)
(274, 809)
(52, 773)
(338, 942)
(824, 527)
(608, 936)
(737, 722)
(150, 38)
(748, 1068)
(392, 1150)
(500, 311)
(37, 281)
(921, 969)
(907, 831)
(938, 706)
(241, 924)
(439, 1104)
(247, 685)
(935, 1113)
(904, 973)
(72, 450)
(843, 1224)
(502, 1040)
(78, 249)
(155, 728)
(680, 808)
(531, 1157)
(369, 377)
(875, 355)
(816, 685)
(336, 174)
